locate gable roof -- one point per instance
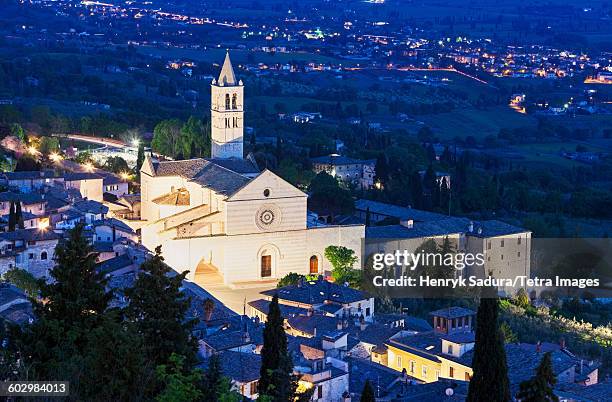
(317, 292)
(208, 174)
(30, 175)
(286, 189)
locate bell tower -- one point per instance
(227, 113)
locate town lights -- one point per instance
(125, 176)
(32, 150)
(135, 142)
(55, 157)
(88, 166)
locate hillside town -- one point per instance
(202, 210)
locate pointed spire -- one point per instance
(227, 76)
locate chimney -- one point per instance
(339, 325)
(538, 347)
(407, 223)
(344, 324)
(309, 312)
(471, 227)
(314, 332)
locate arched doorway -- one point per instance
(314, 265)
(268, 259)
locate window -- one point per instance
(502, 257)
(399, 361)
(451, 372)
(31, 256)
(518, 254)
(314, 265)
(424, 371)
(450, 349)
(227, 101)
(412, 366)
(467, 377)
(320, 392)
(518, 240)
(266, 192)
(367, 312)
(234, 98)
(266, 266)
(501, 243)
(43, 255)
(489, 245)
(254, 387)
(31, 243)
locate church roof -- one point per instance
(177, 197)
(227, 76)
(238, 165)
(209, 174)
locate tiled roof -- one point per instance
(113, 222)
(381, 208)
(178, 197)
(30, 235)
(493, 228)
(112, 179)
(374, 334)
(91, 206)
(115, 263)
(220, 180)
(286, 311)
(25, 198)
(81, 176)
(596, 393)
(431, 392)
(233, 335)
(459, 337)
(380, 377)
(410, 323)
(103, 247)
(241, 367)
(205, 173)
(425, 344)
(10, 293)
(322, 324)
(317, 292)
(30, 175)
(238, 165)
(419, 229)
(522, 362)
(452, 312)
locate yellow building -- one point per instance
(437, 354)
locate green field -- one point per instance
(475, 122)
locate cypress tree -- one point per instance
(367, 395)
(213, 379)
(490, 381)
(540, 387)
(19, 216)
(140, 157)
(75, 302)
(276, 378)
(12, 221)
(157, 308)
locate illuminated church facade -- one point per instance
(224, 214)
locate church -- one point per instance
(224, 214)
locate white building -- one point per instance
(223, 214)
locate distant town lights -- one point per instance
(125, 176)
(88, 166)
(32, 150)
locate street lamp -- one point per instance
(88, 166)
(135, 142)
(125, 176)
